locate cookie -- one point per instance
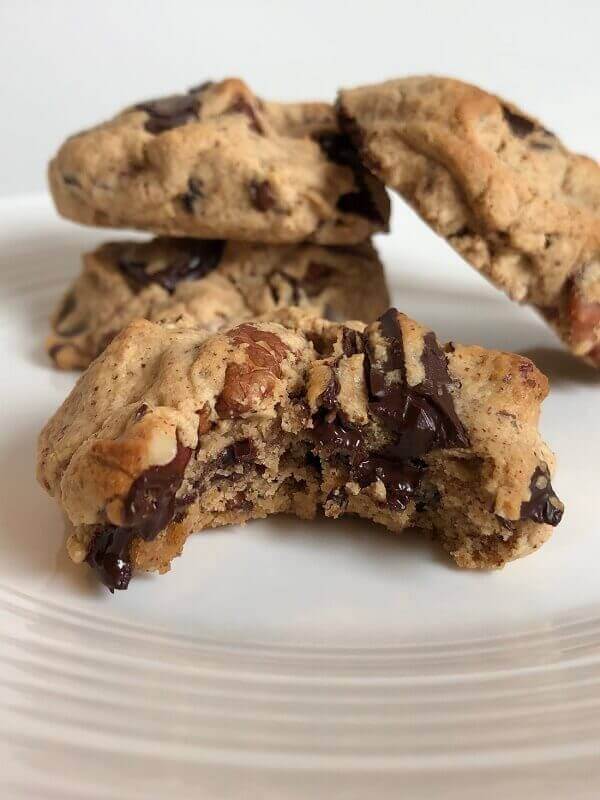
(218, 162)
(208, 283)
(498, 186)
(174, 430)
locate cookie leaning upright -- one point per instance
(218, 162)
(502, 190)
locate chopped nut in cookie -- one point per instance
(291, 413)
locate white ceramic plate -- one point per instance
(286, 660)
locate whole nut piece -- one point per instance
(248, 382)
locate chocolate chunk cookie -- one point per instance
(174, 430)
(208, 283)
(500, 187)
(218, 162)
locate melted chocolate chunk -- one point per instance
(261, 195)
(352, 342)
(328, 398)
(543, 505)
(341, 437)
(360, 203)
(240, 452)
(109, 556)
(195, 192)
(242, 106)
(170, 112)
(148, 508)
(519, 125)
(317, 278)
(338, 148)
(401, 479)
(193, 259)
(422, 416)
(151, 500)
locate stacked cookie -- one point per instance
(259, 205)
(247, 363)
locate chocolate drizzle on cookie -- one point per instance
(189, 259)
(148, 508)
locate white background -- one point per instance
(65, 64)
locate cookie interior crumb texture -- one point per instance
(174, 430)
(499, 186)
(208, 283)
(219, 162)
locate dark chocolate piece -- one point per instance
(193, 259)
(519, 125)
(261, 195)
(329, 395)
(195, 192)
(150, 501)
(149, 507)
(422, 416)
(360, 203)
(109, 556)
(240, 452)
(543, 505)
(338, 148)
(317, 278)
(170, 112)
(401, 479)
(352, 342)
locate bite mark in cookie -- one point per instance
(293, 414)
